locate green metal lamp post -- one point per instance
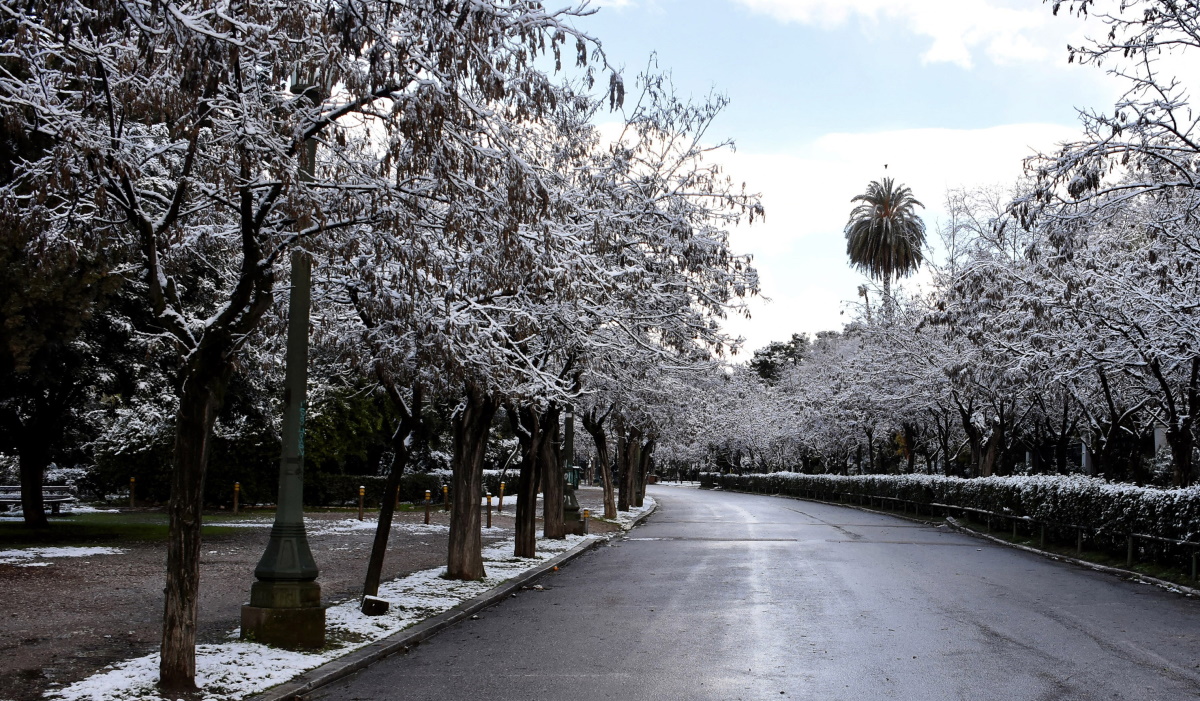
(285, 603)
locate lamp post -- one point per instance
(285, 603)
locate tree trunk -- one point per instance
(888, 304)
(622, 458)
(529, 432)
(409, 420)
(1180, 440)
(974, 440)
(990, 455)
(634, 446)
(200, 400)
(552, 475)
(871, 451)
(472, 423)
(646, 451)
(627, 449)
(595, 427)
(910, 447)
(34, 455)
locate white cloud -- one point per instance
(800, 250)
(1006, 31)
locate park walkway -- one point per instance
(737, 596)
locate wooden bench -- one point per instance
(54, 497)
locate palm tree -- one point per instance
(885, 237)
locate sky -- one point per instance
(824, 93)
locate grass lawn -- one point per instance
(147, 526)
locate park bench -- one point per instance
(54, 497)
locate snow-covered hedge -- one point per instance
(1097, 505)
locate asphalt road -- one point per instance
(735, 596)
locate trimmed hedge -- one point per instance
(1067, 500)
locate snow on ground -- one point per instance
(627, 518)
(15, 513)
(238, 669)
(37, 557)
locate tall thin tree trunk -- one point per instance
(634, 445)
(910, 447)
(644, 455)
(595, 427)
(409, 421)
(529, 432)
(629, 467)
(622, 458)
(472, 424)
(200, 400)
(888, 304)
(552, 475)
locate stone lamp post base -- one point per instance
(285, 614)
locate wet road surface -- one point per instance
(735, 596)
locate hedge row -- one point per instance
(1075, 500)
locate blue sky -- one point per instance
(949, 93)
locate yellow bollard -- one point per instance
(427, 496)
(132, 480)
(501, 506)
(362, 491)
(237, 488)
(489, 502)
(446, 496)
(587, 513)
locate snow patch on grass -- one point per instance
(19, 557)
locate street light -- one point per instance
(285, 603)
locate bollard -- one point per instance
(446, 496)
(1129, 550)
(1078, 540)
(362, 491)
(489, 509)
(1014, 527)
(1193, 564)
(500, 507)
(587, 514)
(237, 488)
(1042, 537)
(427, 496)
(132, 480)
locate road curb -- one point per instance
(1121, 572)
(638, 521)
(299, 688)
